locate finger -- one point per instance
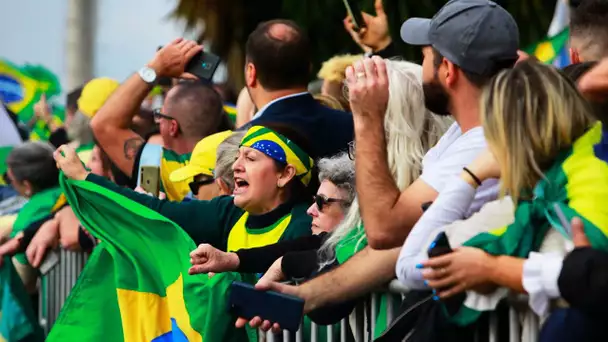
(370, 70)
(188, 76)
(367, 18)
(255, 322)
(193, 51)
(359, 70)
(379, 7)
(240, 322)
(578, 233)
(162, 195)
(40, 252)
(276, 328)
(443, 282)
(266, 325)
(187, 46)
(181, 44)
(380, 66)
(438, 262)
(197, 269)
(350, 75)
(176, 41)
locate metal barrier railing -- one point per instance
(56, 286)
(528, 331)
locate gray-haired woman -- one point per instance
(332, 201)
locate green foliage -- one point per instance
(230, 21)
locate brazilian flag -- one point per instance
(20, 89)
(577, 184)
(548, 49)
(135, 286)
(17, 319)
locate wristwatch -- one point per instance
(147, 74)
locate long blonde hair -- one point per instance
(411, 130)
(530, 114)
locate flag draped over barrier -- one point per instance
(136, 281)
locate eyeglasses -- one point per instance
(160, 115)
(322, 201)
(196, 185)
(351, 150)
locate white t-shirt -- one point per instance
(453, 152)
(457, 200)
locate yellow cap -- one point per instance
(94, 95)
(203, 158)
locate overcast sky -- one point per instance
(128, 33)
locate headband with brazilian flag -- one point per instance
(281, 149)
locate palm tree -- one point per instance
(227, 23)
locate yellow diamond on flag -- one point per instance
(545, 52)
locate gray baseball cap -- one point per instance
(476, 35)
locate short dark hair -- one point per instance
(479, 80)
(33, 161)
(574, 72)
(281, 61)
(198, 109)
(589, 21)
(71, 101)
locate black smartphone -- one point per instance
(203, 65)
(440, 246)
(355, 13)
(247, 302)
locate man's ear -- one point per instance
(28, 188)
(450, 75)
(223, 188)
(575, 58)
(174, 128)
(251, 75)
(287, 175)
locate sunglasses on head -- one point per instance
(322, 201)
(195, 185)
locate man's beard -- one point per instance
(436, 99)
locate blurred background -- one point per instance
(54, 46)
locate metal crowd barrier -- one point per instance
(528, 331)
(56, 285)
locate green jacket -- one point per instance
(213, 221)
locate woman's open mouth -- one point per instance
(240, 186)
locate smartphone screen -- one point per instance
(203, 65)
(150, 179)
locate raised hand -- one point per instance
(206, 258)
(68, 161)
(171, 59)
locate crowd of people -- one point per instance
(478, 174)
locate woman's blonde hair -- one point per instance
(334, 69)
(411, 130)
(530, 114)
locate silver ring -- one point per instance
(360, 75)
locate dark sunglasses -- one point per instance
(323, 201)
(195, 185)
(160, 115)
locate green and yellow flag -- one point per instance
(576, 183)
(136, 282)
(20, 89)
(17, 319)
(547, 50)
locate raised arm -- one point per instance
(111, 125)
(388, 214)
